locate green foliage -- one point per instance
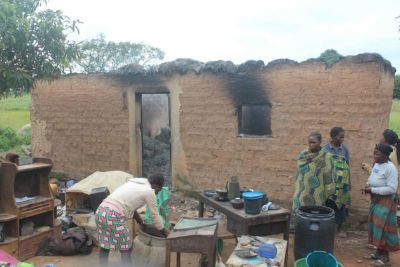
(396, 91)
(330, 56)
(33, 45)
(10, 139)
(16, 103)
(99, 55)
(394, 122)
(15, 111)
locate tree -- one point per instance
(330, 56)
(396, 91)
(99, 55)
(33, 45)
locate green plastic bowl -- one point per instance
(302, 263)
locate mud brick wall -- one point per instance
(81, 123)
(305, 97)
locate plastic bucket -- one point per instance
(302, 263)
(253, 202)
(321, 259)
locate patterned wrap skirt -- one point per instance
(112, 229)
(382, 223)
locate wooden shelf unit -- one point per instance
(31, 180)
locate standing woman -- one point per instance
(382, 222)
(390, 138)
(341, 200)
(314, 177)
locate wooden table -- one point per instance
(199, 240)
(239, 223)
(236, 261)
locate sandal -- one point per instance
(372, 256)
(380, 263)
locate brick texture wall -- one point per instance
(79, 121)
(305, 98)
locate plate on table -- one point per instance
(210, 193)
(218, 198)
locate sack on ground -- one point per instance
(72, 242)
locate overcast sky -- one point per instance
(241, 30)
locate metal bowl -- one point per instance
(237, 203)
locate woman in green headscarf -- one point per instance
(314, 178)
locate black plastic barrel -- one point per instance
(314, 230)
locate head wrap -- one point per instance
(385, 149)
(390, 136)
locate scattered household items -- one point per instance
(97, 196)
(270, 206)
(66, 222)
(149, 249)
(240, 223)
(245, 189)
(267, 250)
(163, 206)
(78, 196)
(321, 259)
(12, 157)
(61, 194)
(302, 263)
(253, 202)
(26, 207)
(222, 195)
(27, 228)
(9, 259)
(193, 235)
(210, 193)
(260, 251)
(20, 200)
(233, 187)
(74, 241)
(314, 230)
(2, 233)
(69, 183)
(237, 203)
(87, 222)
(54, 188)
(246, 253)
(25, 264)
(24, 160)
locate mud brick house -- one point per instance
(248, 120)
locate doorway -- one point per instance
(155, 135)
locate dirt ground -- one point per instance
(349, 251)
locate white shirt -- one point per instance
(134, 194)
(383, 179)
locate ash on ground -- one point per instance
(157, 155)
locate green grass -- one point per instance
(15, 111)
(394, 122)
